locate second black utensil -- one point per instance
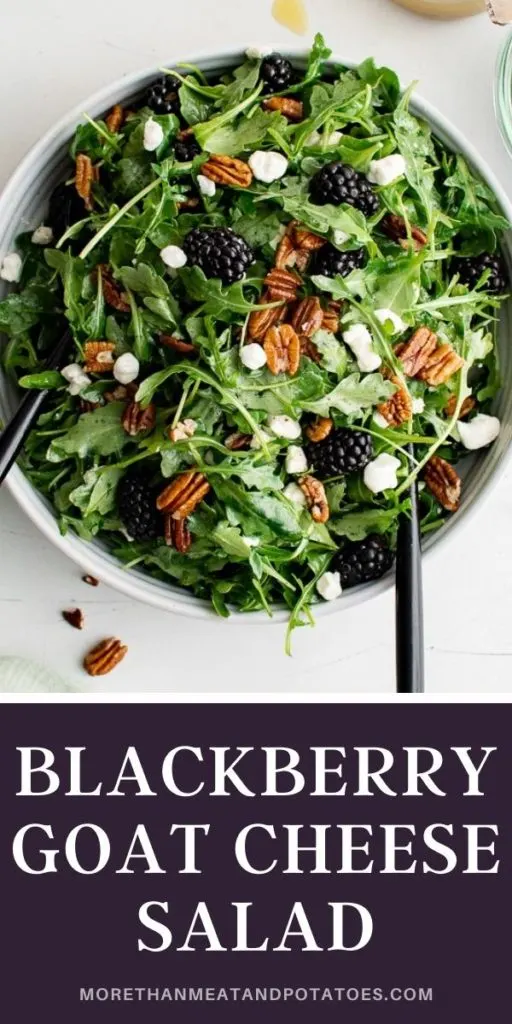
(14, 434)
(410, 670)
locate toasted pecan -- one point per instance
(112, 292)
(121, 393)
(440, 365)
(90, 580)
(309, 349)
(282, 348)
(185, 348)
(75, 617)
(331, 317)
(319, 429)
(99, 356)
(237, 441)
(467, 406)
(227, 170)
(307, 316)
(306, 239)
(183, 430)
(292, 109)
(84, 177)
(115, 119)
(398, 408)
(177, 534)
(261, 320)
(316, 500)
(286, 252)
(415, 353)
(105, 656)
(395, 227)
(282, 284)
(444, 482)
(183, 494)
(136, 420)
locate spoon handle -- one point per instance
(410, 672)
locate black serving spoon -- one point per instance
(14, 434)
(410, 673)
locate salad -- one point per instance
(276, 280)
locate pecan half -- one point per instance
(307, 316)
(415, 353)
(282, 348)
(398, 408)
(227, 170)
(331, 317)
(75, 617)
(309, 349)
(115, 119)
(444, 482)
(292, 109)
(99, 356)
(183, 495)
(316, 500)
(236, 442)
(121, 393)
(282, 284)
(395, 227)
(319, 429)
(185, 348)
(191, 203)
(104, 657)
(84, 177)
(467, 406)
(137, 420)
(111, 290)
(261, 320)
(177, 534)
(306, 239)
(90, 580)
(86, 406)
(286, 253)
(440, 366)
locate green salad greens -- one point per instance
(276, 279)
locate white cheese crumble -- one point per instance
(387, 170)
(316, 139)
(126, 368)
(380, 421)
(173, 256)
(256, 442)
(76, 377)
(258, 52)
(253, 356)
(294, 493)
(380, 474)
(295, 461)
(207, 187)
(340, 237)
(284, 426)
(329, 586)
(183, 430)
(268, 165)
(11, 267)
(153, 135)
(418, 405)
(383, 315)
(43, 235)
(479, 431)
(360, 341)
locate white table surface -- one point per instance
(56, 53)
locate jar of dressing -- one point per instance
(444, 8)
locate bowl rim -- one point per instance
(90, 557)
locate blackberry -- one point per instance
(343, 451)
(162, 96)
(219, 252)
(186, 149)
(338, 183)
(276, 72)
(362, 561)
(329, 261)
(137, 508)
(470, 270)
(64, 209)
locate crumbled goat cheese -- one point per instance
(380, 421)
(153, 135)
(253, 356)
(207, 187)
(183, 430)
(294, 493)
(268, 165)
(284, 426)
(479, 431)
(295, 461)
(126, 368)
(380, 474)
(77, 378)
(11, 267)
(43, 235)
(173, 256)
(329, 586)
(359, 340)
(382, 315)
(383, 172)
(418, 406)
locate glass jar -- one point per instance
(444, 8)
(503, 92)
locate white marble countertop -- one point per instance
(57, 54)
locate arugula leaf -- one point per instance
(21, 311)
(95, 433)
(326, 219)
(353, 394)
(144, 280)
(477, 205)
(97, 493)
(231, 541)
(334, 354)
(358, 525)
(384, 82)
(42, 381)
(249, 134)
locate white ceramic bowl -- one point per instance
(22, 206)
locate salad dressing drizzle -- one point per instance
(292, 14)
